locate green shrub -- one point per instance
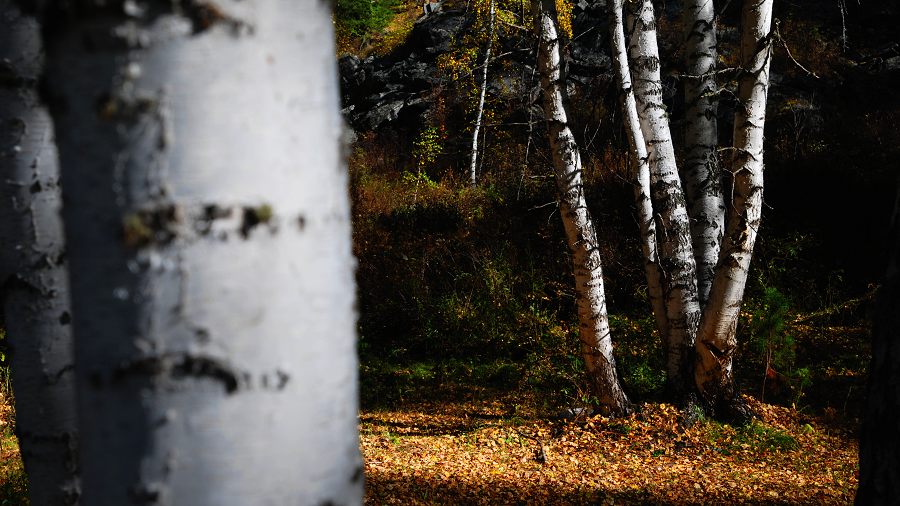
(360, 18)
(13, 482)
(775, 346)
(5, 385)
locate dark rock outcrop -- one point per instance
(396, 89)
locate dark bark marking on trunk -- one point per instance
(157, 225)
(146, 493)
(255, 216)
(54, 378)
(160, 225)
(205, 15)
(180, 366)
(176, 367)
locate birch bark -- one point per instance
(207, 219)
(473, 163)
(673, 227)
(594, 332)
(35, 287)
(641, 181)
(717, 341)
(700, 170)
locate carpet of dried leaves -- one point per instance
(491, 451)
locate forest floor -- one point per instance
(12, 475)
(471, 444)
(483, 449)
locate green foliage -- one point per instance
(419, 178)
(777, 348)
(767, 330)
(5, 383)
(427, 146)
(755, 436)
(638, 356)
(361, 18)
(13, 481)
(765, 438)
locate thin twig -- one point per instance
(788, 50)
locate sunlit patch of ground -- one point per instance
(489, 447)
(12, 476)
(484, 452)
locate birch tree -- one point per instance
(208, 226)
(35, 285)
(689, 284)
(666, 194)
(700, 170)
(594, 331)
(641, 179)
(717, 340)
(473, 161)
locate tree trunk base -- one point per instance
(733, 410)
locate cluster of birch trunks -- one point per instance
(697, 241)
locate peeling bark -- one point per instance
(641, 181)
(673, 225)
(717, 341)
(594, 332)
(700, 171)
(208, 224)
(35, 294)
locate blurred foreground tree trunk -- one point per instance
(594, 331)
(879, 445)
(208, 229)
(35, 291)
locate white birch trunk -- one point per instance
(208, 224)
(594, 332)
(673, 230)
(641, 180)
(716, 341)
(700, 170)
(33, 273)
(473, 163)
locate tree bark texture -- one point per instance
(717, 340)
(594, 331)
(35, 292)
(700, 171)
(667, 195)
(647, 224)
(208, 224)
(473, 161)
(879, 446)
